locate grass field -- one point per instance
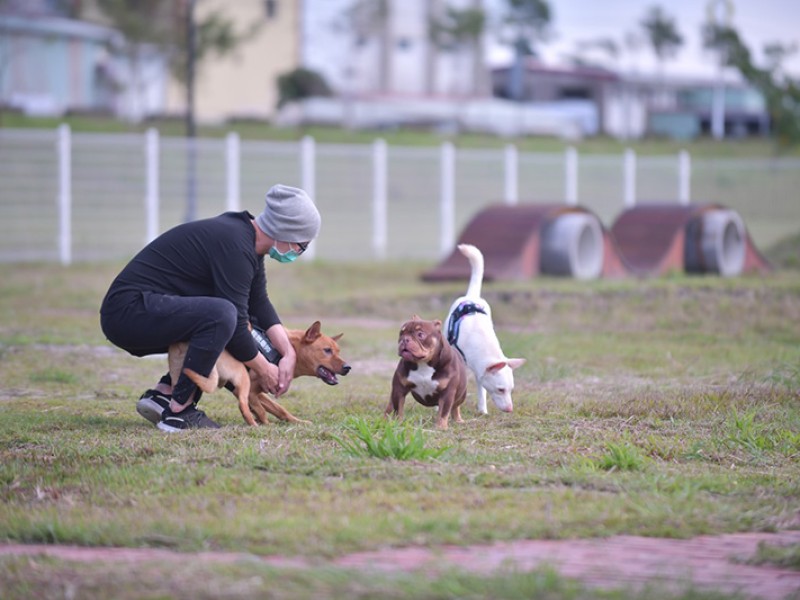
(701, 148)
(665, 407)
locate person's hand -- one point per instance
(285, 373)
(267, 378)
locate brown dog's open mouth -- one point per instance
(407, 354)
(327, 375)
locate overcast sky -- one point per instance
(757, 21)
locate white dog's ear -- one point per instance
(515, 362)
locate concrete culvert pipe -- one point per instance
(716, 243)
(572, 245)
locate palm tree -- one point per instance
(462, 29)
(663, 34)
(524, 24)
(366, 19)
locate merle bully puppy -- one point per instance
(430, 369)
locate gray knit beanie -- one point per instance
(290, 215)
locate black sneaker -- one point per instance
(189, 418)
(152, 404)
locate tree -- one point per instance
(781, 92)
(524, 24)
(663, 35)
(457, 29)
(301, 83)
(171, 27)
(163, 26)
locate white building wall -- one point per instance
(409, 47)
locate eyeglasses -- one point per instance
(301, 247)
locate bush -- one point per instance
(299, 84)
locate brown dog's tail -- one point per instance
(207, 384)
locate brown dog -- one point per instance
(317, 355)
(430, 369)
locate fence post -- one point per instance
(151, 199)
(511, 174)
(308, 176)
(571, 176)
(64, 194)
(684, 177)
(379, 198)
(233, 197)
(447, 208)
(629, 178)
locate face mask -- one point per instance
(289, 256)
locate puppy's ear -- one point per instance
(437, 323)
(416, 317)
(515, 362)
(495, 367)
(336, 338)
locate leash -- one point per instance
(454, 323)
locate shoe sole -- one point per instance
(150, 410)
(168, 428)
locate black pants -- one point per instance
(145, 323)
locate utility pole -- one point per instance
(720, 13)
(191, 142)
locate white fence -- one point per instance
(77, 196)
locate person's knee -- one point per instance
(227, 318)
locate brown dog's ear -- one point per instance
(313, 333)
(438, 324)
(336, 338)
(416, 317)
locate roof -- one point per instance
(57, 27)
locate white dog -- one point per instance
(471, 331)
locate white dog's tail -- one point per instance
(475, 258)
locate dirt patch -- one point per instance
(705, 562)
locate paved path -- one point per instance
(707, 562)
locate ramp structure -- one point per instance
(522, 241)
(655, 238)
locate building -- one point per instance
(633, 106)
(380, 58)
(244, 83)
(51, 65)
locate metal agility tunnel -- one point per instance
(522, 241)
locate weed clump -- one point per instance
(386, 438)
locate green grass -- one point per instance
(383, 438)
(787, 557)
(702, 147)
(661, 407)
(24, 578)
